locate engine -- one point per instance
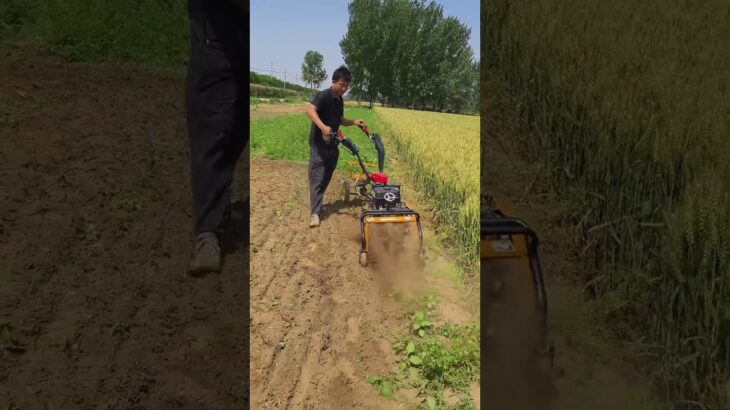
(386, 196)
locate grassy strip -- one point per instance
(287, 137)
(149, 32)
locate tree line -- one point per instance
(263, 79)
(406, 53)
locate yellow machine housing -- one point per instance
(504, 237)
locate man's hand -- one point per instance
(346, 122)
(326, 130)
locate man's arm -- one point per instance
(312, 114)
(346, 122)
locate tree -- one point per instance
(312, 71)
(406, 53)
(360, 46)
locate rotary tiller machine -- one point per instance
(506, 238)
(381, 201)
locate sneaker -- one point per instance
(314, 222)
(207, 256)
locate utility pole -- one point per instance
(285, 78)
(272, 69)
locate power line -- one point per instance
(269, 67)
(269, 70)
(265, 70)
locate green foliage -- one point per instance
(312, 71)
(628, 117)
(144, 31)
(692, 296)
(434, 358)
(407, 54)
(14, 15)
(255, 101)
(420, 323)
(256, 90)
(451, 359)
(287, 137)
(267, 80)
(383, 386)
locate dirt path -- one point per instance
(96, 309)
(321, 323)
(592, 370)
(261, 111)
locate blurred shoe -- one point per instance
(314, 222)
(207, 256)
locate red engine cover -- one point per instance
(379, 178)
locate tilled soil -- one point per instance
(96, 307)
(320, 322)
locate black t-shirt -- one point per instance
(330, 110)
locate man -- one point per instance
(215, 89)
(327, 114)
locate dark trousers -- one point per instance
(215, 112)
(322, 164)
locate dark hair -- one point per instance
(342, 73)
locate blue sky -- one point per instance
(283, 30)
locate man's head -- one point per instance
(341, 80)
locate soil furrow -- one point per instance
(315, 286)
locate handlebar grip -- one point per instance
(336, 135)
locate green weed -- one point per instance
(434, 359)
(131, 204)
(10, 339)
(383, 386)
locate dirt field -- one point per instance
(96, 308)
(321, 323)
(261, 111)
(592, 370)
